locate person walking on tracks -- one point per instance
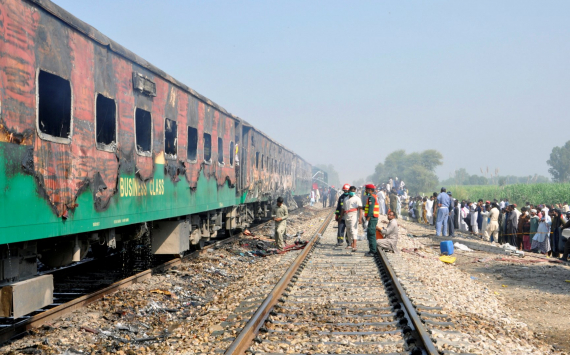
(280, 214)
(371, 213)
(390, 233)
(339, 216)
(351, 213)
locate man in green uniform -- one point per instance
(371, 213)
(280, 215)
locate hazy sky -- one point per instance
(487, 83)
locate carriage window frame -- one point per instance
(47, 136)
(195, 160)
(221, 152)
(168, 155)
(207, 161)
(232, 149)
(111, 148)
(257, 160)
(149, 152)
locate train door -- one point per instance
(244, 158)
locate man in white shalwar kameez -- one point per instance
(474, 215)
(429, 210)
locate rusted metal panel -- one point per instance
(23, 297)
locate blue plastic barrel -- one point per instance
(446, 247)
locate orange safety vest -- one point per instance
(376, 212)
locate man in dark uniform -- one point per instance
(371, 213)
(339, 208)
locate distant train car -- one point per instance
(98, 146)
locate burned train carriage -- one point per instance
(96, 143)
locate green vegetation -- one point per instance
(517, 193)
(462, 177)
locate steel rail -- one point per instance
(8, 332)
(245, 337)
(428, 344)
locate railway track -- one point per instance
(77, 287)
(332, 300)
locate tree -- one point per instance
(420, 179)
(334, 180)
(560, 163)
(415, 169)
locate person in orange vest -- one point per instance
(371, 212)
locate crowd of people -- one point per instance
(532, 228)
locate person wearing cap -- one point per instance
(371, 214)
(443, 202)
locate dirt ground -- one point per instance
(536, 289)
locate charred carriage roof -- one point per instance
(95, 35)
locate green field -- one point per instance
(517, 193)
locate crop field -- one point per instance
(517, 193)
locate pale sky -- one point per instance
(487, 83)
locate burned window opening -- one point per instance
(207, 147)
(143, 131)
(192, 152)
(220, 150)
(54, 105)
(105, 123)
(257, 160)
(170, 138)
(232, 152)
(262, 162)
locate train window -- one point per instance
(170, 138)
(143, 131)
(192, 149)
(262, 162)
(105, 123)
(257, 160)
(207, 147)
(275, 166)
(232, 153)
(54, 107)
(220, 150)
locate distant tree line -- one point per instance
(462, 177)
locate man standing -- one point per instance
(451, 218)
(351, 213)
(339, 216)
(371, 213)
(382, 201)
(325, 197)
(443, 202)
(493, 226)
(390, 233)
(332, 196)
(394, 202)
(280, 214)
